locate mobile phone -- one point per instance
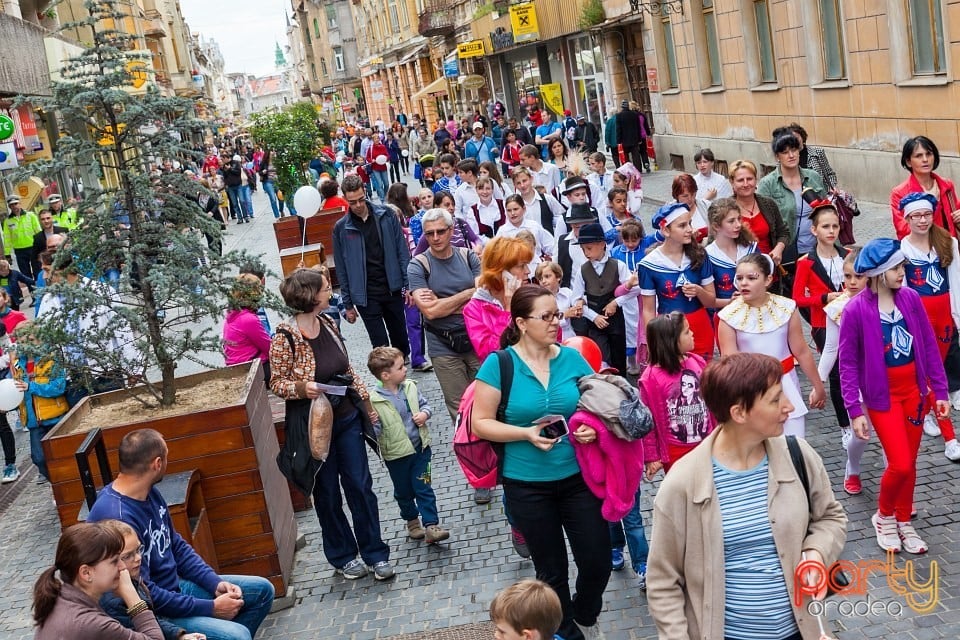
(553, 427)
(509, 280)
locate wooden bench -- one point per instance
(181, 491)
(309, 238)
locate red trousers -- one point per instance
(900, 429)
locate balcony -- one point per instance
(438, 19)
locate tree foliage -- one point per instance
(293, 138)
(163, 308)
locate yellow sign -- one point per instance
(552, 97)
(138, 73)
(472, 49)
(108, 138)
(523, 21)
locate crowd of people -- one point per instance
(524, 271)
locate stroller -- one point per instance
(424, 172)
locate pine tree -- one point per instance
(165, 306)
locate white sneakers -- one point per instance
(930, 426)
(955, 399)
(952, 451)
(888, 537)
(912, 543)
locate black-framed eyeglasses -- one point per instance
(127, 557)
(436, 233)
(547, 316)
(356, 202)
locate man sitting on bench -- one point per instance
(184, 588)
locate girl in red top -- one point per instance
(819, 281)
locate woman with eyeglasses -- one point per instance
(89, 565)
(543, 486)
(112, 602)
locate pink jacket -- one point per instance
(485, 320)
(611, 467)
(244, 338)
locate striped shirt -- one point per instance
(757, 601)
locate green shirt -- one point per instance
(529, 401)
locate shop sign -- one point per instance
(138, 73)
(472, 82)
(472, 49)
(523, 21)
(451, 67)
(8, 156)
(331, 90)
(653, 81)
(501, 39)
(552, 97)
(7, 128)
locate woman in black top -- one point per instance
(307, 353)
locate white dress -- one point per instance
(766, 330)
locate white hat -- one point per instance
(237, 159)
(54, 197)
(477, 125)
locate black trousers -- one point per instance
(386, 321)
(612, 341)
(836, 397)
(543, 512)
(25, 261)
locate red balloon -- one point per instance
(588, 349)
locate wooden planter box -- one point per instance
(234, 449)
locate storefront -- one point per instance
(590, 91)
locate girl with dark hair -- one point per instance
(933, 271)
(489, 169)
(88, 559)
(760, 322)
(921, 158)
(542, 483)
(731, 241)
(711, 185)
(398, 197)
(559, 155)
(670, 387)
(676, 276)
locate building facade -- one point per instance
(330, 56)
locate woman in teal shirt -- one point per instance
(544, 489)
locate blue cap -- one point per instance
(668, 213)
(878, 256)
(917, 201)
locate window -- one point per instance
(761, 17)
(323, 66)
(338, 58)
(670, 52)
(831, 33)
(404, 16)
(394, 16)
(316, 27)
(331, 16)
(313, 70)
(926, 36)
(714, 78)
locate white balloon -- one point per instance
(10, 396)
(307, 201)
(380, 159)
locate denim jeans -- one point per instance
(346, 465)
(411, 486)
(379, 180)
(36, 450)
(543, 512)
(233, 197)
(268, 188)
(386, 322)
(631, 534)
(246, 200)
(257, 600)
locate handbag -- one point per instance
(847, 210)
(840, 578)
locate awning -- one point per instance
(437, 86)
(413, 55)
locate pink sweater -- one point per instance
(680, 416)
(244, 338)
(611, 467)
(485, 320)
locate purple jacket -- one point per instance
(861, 351)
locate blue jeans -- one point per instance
(632, 534)
(411, 486)
(233, 197)
(268, 188)
(247, 200)
(257, 600)
(379, 179)
(347, 466)
(36, 450)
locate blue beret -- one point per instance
(916, 201)
(668, 213)
(879, 255)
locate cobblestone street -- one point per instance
(452, 584)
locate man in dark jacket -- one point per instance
(587, 135)
(523, 134)
(371, 256)
(233, 181)
(47, 229)
(632, 134)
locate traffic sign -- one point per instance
(7, 127)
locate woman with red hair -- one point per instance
(684, 189)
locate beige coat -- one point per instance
(685, 573)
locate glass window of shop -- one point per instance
(526, 79)
(589, 83)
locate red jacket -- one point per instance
(946, 204)
(812, 284)
(377, 149)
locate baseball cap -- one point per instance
(477, 125)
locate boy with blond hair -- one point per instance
(405, 443)
(527, 610)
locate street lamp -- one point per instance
(657, 7)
